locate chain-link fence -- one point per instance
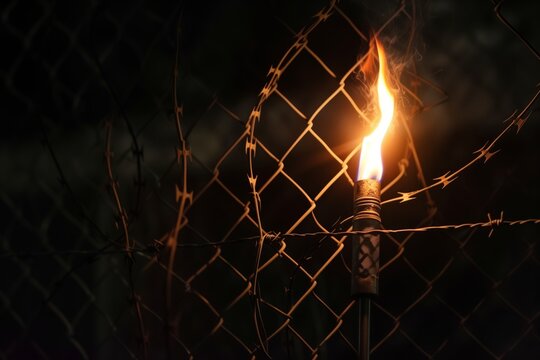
(158, 203)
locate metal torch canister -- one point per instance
(365, 260)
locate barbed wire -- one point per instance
(273, 237)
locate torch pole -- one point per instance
(364, 304)
(365, 257)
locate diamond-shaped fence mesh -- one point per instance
(161, 198)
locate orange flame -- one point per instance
(370, 164)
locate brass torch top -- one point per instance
(367, 200)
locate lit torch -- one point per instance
(367, 207)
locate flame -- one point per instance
(370, 164)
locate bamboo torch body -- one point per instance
(365, 261)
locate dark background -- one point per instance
(72, 71)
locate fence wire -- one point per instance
(158, 203)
